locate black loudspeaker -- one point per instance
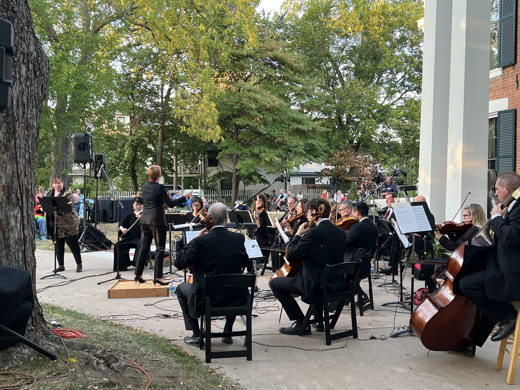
(16, 303)
(95, 239)
(98, 162)
(6, 63)
(82, 148)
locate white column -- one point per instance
(469, 101)
(435, 104)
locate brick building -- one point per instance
(504, 88)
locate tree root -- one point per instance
(104, 360)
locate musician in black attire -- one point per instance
(194, 215)
(361, 235)
(493, 288)
(262, 220)
(323, 244)
(130, 229)
(153, 223)
(214, 252)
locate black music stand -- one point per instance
(389, 227)
(174, 219)
(406, 229)
(55, 204)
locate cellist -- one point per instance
(492, 289)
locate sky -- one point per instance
(270, 5)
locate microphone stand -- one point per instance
(119, 208)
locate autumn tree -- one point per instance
(262, 110)
(19, 127)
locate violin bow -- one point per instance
(464, 201)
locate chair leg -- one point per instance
(514, 353)
(336, 314)
(370, 293)
(249, 336)
(359, 298)
(501, 353)
(306, 319)
(208, 332)
(353, 316)
(328, 340)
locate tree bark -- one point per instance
(19, 128)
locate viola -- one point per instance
(453, 227)
(347, 222)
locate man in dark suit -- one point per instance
(492, 289)
(153, 223)
(361, 235)
(324, 244)
(214, 252)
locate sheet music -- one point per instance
(280, 230)
(191, 234)
(402, 237)
(181, 226)
(253, 249)
(412, 219)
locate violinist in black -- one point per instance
(262, 220)
(196, 215)
(130, 230)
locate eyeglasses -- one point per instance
(467, 215)
(340, 210)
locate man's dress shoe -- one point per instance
(193, 341)
(60, 268)
(227, 340)
(295, 329)
(467, 350)
(507, 327)
(319, 327)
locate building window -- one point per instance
(212, 158)
(493, 38)
(226, 185)
(492, 144)
(308, 180)
(502, 142)
(121, 119)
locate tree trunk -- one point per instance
(17, 162)
(160, 145)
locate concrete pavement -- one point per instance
(373, 361)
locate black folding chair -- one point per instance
(365, 256)
(350, 271)
(218, 282)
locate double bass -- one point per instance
(445, 321)
(291, 269)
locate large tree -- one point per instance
(367, 60)
(262, 109)
(19, 127)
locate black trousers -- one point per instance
(158, 234)
(73, 244)
(393, 246)
(122, 249)
(282, 290)
(472, 286)
(191, 323)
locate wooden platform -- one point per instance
(131, 289)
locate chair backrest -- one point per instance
(363, 253)
(349, 269)
(228, 281)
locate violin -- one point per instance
(346, 222)
(453, 227)
(315, 216)
(296, 217)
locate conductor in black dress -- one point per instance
(315, 248)
(153, 223)
(130, 228)
(212, 252)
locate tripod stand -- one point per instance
(54, 205)
(119, 208)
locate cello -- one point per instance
(291, 269)
(445, 321)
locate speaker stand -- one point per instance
(27, 342)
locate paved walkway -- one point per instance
(373, 361)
